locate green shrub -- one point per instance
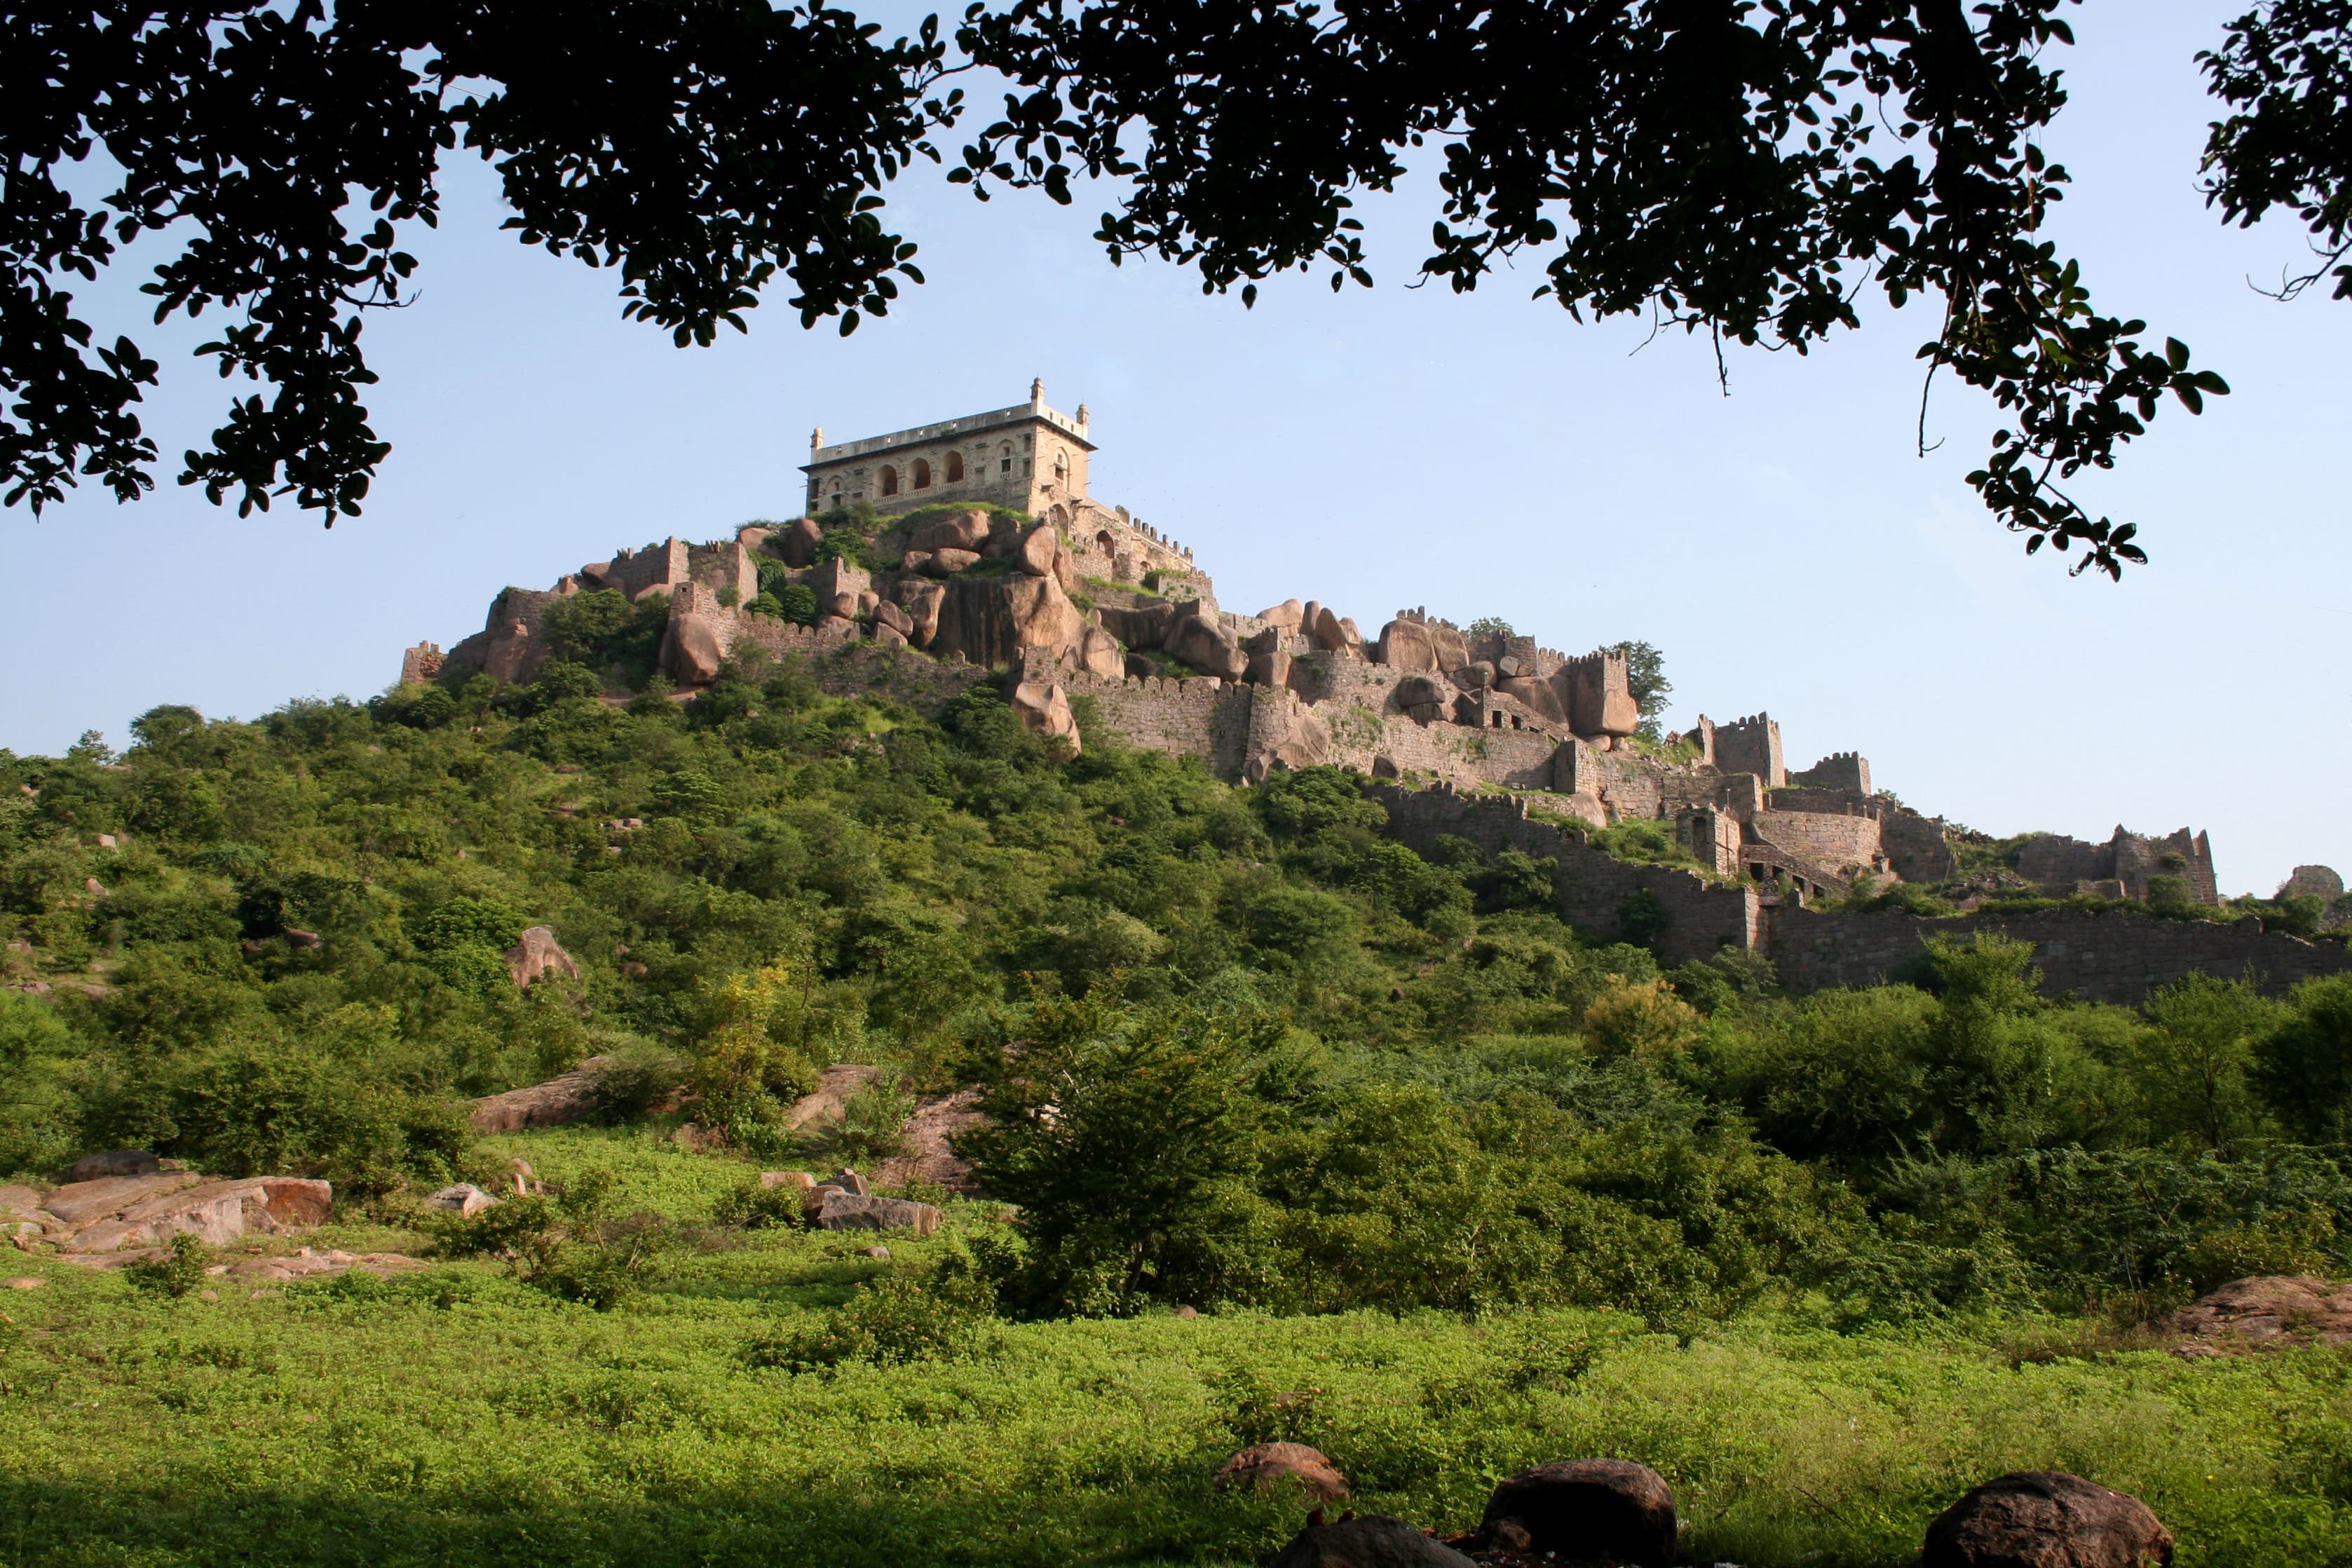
(179, 1272)
(893, 1321)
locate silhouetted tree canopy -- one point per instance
(1741, 168)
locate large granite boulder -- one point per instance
(2269, 1310)
(1331, 633)
(1407, 645)
(989, 620)
(1540, 697)
(1265, 1465)
(115, 1212)
(2046, 1519)
(1608, 1510)
(1423, 698)
(1144, 626)
(1284, 733)
(537, 954)
(800, 541)
(1097, 652)
(920, 600)
(1368, 1541)
(842, 1210)
(1046, 710)
(953, 531)
(573, 1096)
(1207, 646)
(1034, 549)
(1285, 616)
(948, 562)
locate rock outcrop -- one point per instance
(2267, 1312)
(536, 955)
(1604, 1510)
(1265, 1465)
(573, 1096)
(1195, 639)
(839, 1210)
(1368, 1541)
(111, 1213)
(929, 1137)
(2046, 1519)
(1044, 710)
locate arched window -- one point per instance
(1061, 468)
(889, 480)
(1104, 540)
(955, 466)
(922, 474)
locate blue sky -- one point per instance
(1784, 546)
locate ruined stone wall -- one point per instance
(851, 668)
(1739, 794)
(1916, 848)
(2117, 956)
(634, 571)
(1207, 718)
(1752, 745)
(1844, 771)
(1589, 887)
(722, 565)
(1835, 840)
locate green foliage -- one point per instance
(37, 1054)
(897, 1320)
(2305, 1065)
(796, 602)
(180, 1271)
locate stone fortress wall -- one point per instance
(1089, 601)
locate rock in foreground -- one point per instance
(1607, 1511)
(1266, 1465)
(2046, 1519)
(2270, 1309)
(1368, 1541)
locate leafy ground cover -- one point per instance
(456, 1417)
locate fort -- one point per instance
(971, 550)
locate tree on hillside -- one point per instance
(1645, 678)
(1738, 168)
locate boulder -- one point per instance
(1207, 646)
(1423, 698)
(1538, 696)
(1453, 651)
(1478, 674)
(1145, 626)
(1285, 616)
(572, 1097)
(915, 561)
(81, 1203)
(1264, 1465)
(2269, 1310)
(1367, 1540)
(800, 541)
(850, 1182)
(948, 562)
(1600, 699)
(841, 606)
(2304, 881)
(1035, 549)
(214, 1212)
(1097, 652)
(1385, 766)
(1328, 633)
(1610, 1510)
(920, 601)
(113, 1163)
(842, 1210)
(2046, 1519)
(1046, 710)
(801, 1180)
(954, 530)
(537, 954)
(889, 636)
(1295, 737)
(894, 617)
(1406, 645)
(989, 620)
(465, 1198)
(1268, 669)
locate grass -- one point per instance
(455, 1417)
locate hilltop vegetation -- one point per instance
(1377, 1080)
(1497, 1191)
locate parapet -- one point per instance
(1839, 770)
(1752, 745)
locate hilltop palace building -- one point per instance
(1027, 457)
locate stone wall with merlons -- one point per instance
(1589, 887)
(2111, 955)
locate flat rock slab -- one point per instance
(139, 1211)
(569, 1097)
(849, 1211)
(2270, 1310)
